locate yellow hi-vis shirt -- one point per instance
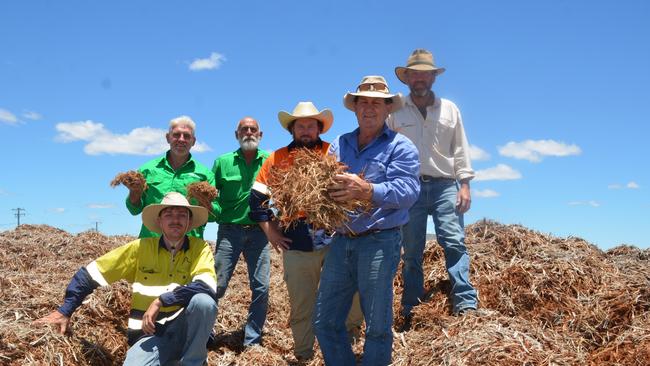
(152, 270)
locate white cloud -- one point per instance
(629, 185)
(478, 154)
(213, 62)
(3, 192)
(57, 210)
(8, 117)
(534, 151)
(100, 205)
(75, 131)
(140, 141)
(499, 172)
(485, 193)
(201, 147)
(584, 203)
(34, 116)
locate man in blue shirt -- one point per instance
(383, 169)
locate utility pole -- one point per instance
(18, 214)
(97, 226)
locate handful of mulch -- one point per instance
(130, 178)
(198, 190)
(300, 190)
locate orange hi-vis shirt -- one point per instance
(281, 158)
(300, 234)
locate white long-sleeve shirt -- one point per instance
(440, 138)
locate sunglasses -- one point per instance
(379, 87)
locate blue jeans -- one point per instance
(438, 199)
(183, 341)
(366, 264)
(233, 240)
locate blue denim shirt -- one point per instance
(390, 162)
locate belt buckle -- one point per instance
(354, 235)
(426, 178)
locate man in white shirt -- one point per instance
(436, 128)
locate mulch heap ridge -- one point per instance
(544, 301)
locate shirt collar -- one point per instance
(165, 160)
(185, 247)
(385, 132)
(240, 154)
(409, 101)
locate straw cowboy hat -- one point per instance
(373, 86)
(419, 60)
(173, 199)
(307, 110)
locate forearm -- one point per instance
(134, 207)
(258, 210)
(183, 294)
(80, 286)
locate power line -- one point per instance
(18, 214)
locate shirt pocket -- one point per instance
(375, 171)
(182, 270)
(149, 273)
(231, 187)
(444, 133)
(157, 182)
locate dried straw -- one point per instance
(130, 178)
(300, 190)
(201, 190)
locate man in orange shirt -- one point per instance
(303, 249)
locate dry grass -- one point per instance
(300, 190)
(544, 300)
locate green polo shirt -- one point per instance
(234, 179)
(161, 179)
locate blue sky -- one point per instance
(553, 94)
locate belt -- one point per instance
(367, 232)
(428, 178)
(244, 226)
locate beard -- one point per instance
(248, 143)
(420, 89)
(308, 144)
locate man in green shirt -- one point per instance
(234, 174)
(171, 172)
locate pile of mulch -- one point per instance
(544, 301)
(36, 264)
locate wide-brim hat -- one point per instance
(307, 110)
(173, 199)
(373, 86)
(419, 60)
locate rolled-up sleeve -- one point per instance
(462, 162)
